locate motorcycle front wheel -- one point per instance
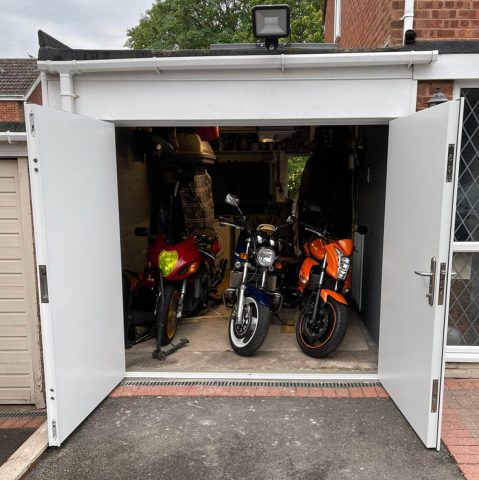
(247, 336)
(321, 336)
(168, 309)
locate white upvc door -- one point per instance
(72, 164)
(415, 287)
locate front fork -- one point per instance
(320, 287)
(181, 301)
(242, 287)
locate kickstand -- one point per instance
(160, 354)
(205, 305)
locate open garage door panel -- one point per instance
(75, 209)
(417, 234)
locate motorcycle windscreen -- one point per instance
(72, 164)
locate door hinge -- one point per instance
(42, 273)
(450, 162)
(54, 429)
(32, 123)
(435, 396)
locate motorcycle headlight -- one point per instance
(344, 263)
(265, 257)
(167, 261)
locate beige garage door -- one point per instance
(20, 370)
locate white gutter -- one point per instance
(237, 62)
(12, 98)
(408, 17)
(13, 137)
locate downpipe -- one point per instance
(408, 17)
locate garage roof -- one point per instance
(17, 75)
(52, 49)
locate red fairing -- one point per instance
(187, 254)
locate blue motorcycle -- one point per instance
(253, 292)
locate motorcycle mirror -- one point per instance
(232, 200)
(291, 220)
(141, 232)
(362, 230)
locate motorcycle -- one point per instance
(324, 280)
(253, 294)
(189, 272)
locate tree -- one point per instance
(179, 24)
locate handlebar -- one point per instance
(224, 222)
(314, 230)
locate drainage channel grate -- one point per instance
(246, 383)
(22, 414)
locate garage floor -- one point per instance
(209, 349)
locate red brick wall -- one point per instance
(446, 19)
(367, 23)
(329, 22)
(377, 23)
(11, 112)
(425, 90)
(36, 96)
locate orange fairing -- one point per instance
(330, 293)
(317, 248)
(346, 246)
(332, 267)
(305, 272)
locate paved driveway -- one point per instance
(245, 438)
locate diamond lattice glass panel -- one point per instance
(467, 213)
(464, 301)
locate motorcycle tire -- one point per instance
(247, 344)
(167, 310)
(335, 319)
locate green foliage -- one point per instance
(180, 24)
(296, 166)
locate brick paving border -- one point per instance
(247, 391)
(460, 424)
(22, 422)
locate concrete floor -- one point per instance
(209, 349)
(10, 440)
(245, 438)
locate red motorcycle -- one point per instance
(184, 274)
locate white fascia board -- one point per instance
(32, 88)
(11, 98)
(13, 144)
(462, 66)
(243, 62)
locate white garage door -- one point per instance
(20, 380)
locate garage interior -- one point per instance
(275, 171)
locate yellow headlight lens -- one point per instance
(167, 261)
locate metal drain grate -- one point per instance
(22, 414)
(246, 383)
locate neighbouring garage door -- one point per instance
(20, 368)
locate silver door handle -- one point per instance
(423, 274)
(432, 280)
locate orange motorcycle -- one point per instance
(324, 279)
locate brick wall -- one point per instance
(329, 22)
(11, 112)
(36, 96)
(377, 23)
(446, 19)
(425, 90)
(366, 24)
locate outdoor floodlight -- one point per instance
(271, 22)
(437, 98)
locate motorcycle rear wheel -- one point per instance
(168, 309)
(246, 344)
(331, 327)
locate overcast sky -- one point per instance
(76, 23)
